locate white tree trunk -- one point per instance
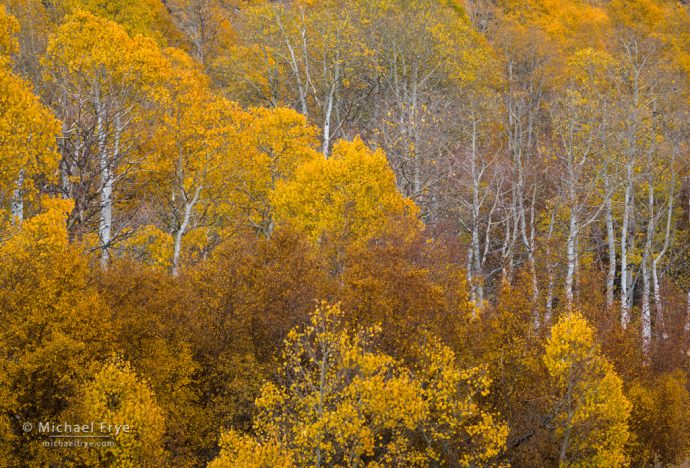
(530, 257)
(611, 240)
(507, 249)
(626, 236)
(107, 179)
(573, 231)
(646, 311)
(658, 305)
(477, 285)
(550, 272)
(178, 242)
(470, 277)
(18, 199)
(325, 149)
(571, 258)
(625, 302)
(294, 64)
(646, 257)
(106, 221)
(181, 231)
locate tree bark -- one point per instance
(611, 242)
(625, 302)
(658, 305)
(182, 230)
(106, 175)
(17, 208)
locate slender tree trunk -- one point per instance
(18, 199)
(625, 301)
(646, 311)
(550, 273)
(412, 123)
(627, 236)
(106, 221)
(611, 241)
(573, 232)
(658, 304)
(106, 174)
(182, 230)
(507, 251)
(294, 64)
(531, 259)
(325, 149)
(477, 285)
(470, 276)
(65, 185)
(571, 258)
(646, 257)
(514, 148)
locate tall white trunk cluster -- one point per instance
(523, 104)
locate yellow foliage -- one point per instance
(53, 325)
(567, 23)
(150, 245)
(148, 17)
(592, 413)
(117, 398)
(87, 51)
(347, 197)
(454, 416)
(240, 450)
(28, 132)
(9, 28)
(591, 68)
(466, 55)
(190, 170)
(273, 144)
(340, 402)
(645, 15)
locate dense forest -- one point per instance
(324, 233)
